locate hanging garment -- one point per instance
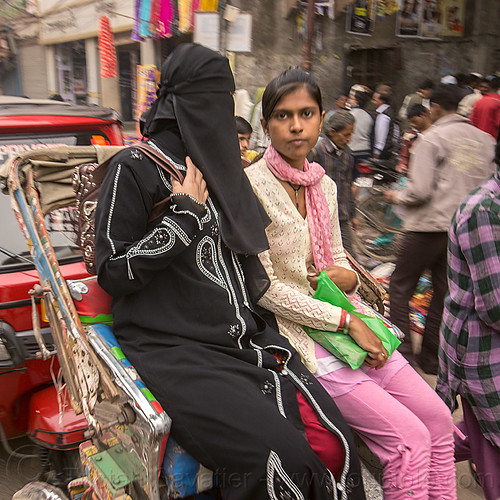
(165, 19)
(185, 15)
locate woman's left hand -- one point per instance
(344, 278)
(366, 339)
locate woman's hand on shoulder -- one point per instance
(193, 185)
(368, 340)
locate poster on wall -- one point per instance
(409, 18)
(432, 19)
(386, 7)
(453, 13)
(360, 18)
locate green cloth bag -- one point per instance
(341, 344)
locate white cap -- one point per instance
(449, 80)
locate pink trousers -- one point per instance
(407, 426)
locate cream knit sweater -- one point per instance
(289, 296)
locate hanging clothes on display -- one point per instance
(165, 19)
(184, 15)
(209, 5)
(145, 18)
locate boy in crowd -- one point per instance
(244, 133)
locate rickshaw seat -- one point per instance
(184, 475)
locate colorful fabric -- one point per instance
(165, 18)
(338, 165)
(184, 15)
(486, 114)
(195, 5)
(209, 5)
(469, 356)
(145, 10)
(155, 16)
(316, 204)
(135, 29)
(107, 51)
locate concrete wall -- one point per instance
(275, 47)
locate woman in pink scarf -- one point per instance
(396, 413)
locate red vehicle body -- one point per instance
(29, 402)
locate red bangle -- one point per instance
(343, 316)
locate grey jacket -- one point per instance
(450, 160)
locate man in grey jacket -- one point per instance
(447, 162)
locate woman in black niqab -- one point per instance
(195, 90)
(182, 311)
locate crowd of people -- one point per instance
(213, 299)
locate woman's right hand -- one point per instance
(193, 185)
(368, 340)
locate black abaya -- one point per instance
(184, 319)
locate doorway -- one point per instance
(371, 66)
(128, 59)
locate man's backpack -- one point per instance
(87, 179)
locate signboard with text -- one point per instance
(82, 20)
(207, 31)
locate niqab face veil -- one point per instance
(195, 91)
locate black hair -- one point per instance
(493, 81)
(426, 84)
(417, 110)
(472, 78)
(461, 78)
(289, 81)
(385, 98)
(242, 126)
(362, 98)
(447, 96)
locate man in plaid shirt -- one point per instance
(469, 354)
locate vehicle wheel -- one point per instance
(62, 467)
(39, 491)
(379, 233)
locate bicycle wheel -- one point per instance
(379, 233)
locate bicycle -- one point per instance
(379, 233)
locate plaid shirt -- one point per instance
(338, 165)
(469, 355)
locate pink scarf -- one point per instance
(318, 215)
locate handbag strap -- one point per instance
(160, 207)
(161, 160)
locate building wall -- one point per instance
(276, 47)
